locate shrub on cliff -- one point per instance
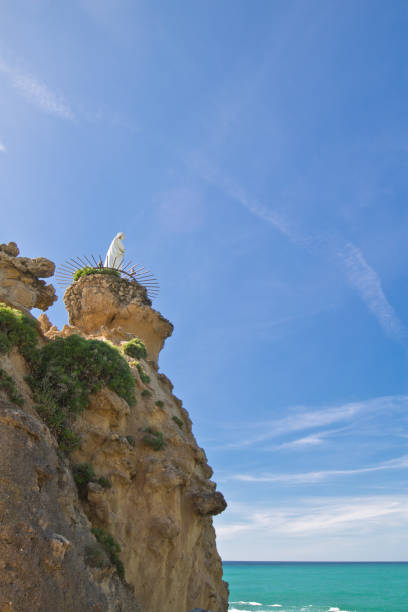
(74, 367)
(83, 474)
(135, 348)
(178, 421)
(8, 385)
(154, 439)
(67, 371)
(17, 330)
(88, 270)
(111, 548)
(144, 377)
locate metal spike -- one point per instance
(126, 266)
(81, 263)
(89, 262)
(75, 263)
(68, 266)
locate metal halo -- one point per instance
(133, 272)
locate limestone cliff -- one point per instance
(150, 486)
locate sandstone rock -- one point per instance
(59, 546)
(116, 310)
(20, 286)
(39, 266)
(45, 323)
(208, 502)
(45, 569)
(10, 249)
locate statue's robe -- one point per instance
(114, 256)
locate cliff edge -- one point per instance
(106, 500)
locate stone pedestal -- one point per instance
(112, 307)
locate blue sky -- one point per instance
(255, 156)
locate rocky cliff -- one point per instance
(105, 497)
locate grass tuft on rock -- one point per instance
(178, 421)
(83, 474)
(154, 439)
(144, 377)
(88, 270)
(17, 330)
(8, 385)
(135, 348)
(111, 548)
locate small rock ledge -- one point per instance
(20, 286)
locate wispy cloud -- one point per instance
(360, 275)
(319, 476)
(213, 175)
(303, 419)
(315, 439)
(38, 93)
(311, 517)
(368, 284)
(2, 148)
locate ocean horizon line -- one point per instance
(316, 562)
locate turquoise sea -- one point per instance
(317, 587)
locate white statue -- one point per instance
(114, 256)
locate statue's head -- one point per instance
(120, 235)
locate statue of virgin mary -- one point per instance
(116, 251)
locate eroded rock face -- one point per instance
(160, 504)
(20, 286)
(104, 305)
(44, 533)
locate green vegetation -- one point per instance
(63, 373)
(8, 385)
(67, 371)
(75, 367)
(145, 378)
(154, 439)
(178, 421)
(83, 474)
(17, 330)
(88, 270)
(111, 548)
(159, 404)
(131, 440)
(135, 348)
(146, 393)
(104, 482)
(20, 331)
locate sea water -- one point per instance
(317, 587)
